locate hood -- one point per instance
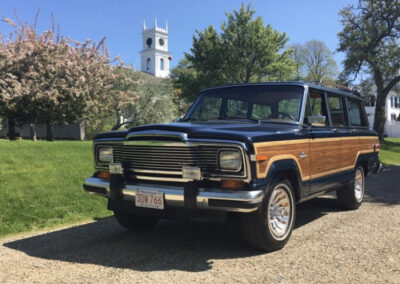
(248, 132)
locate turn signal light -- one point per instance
(103, 175)
(232, 184)
(261, 157)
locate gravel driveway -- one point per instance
(327, 245)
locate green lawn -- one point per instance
(390, 152)
(41, 185)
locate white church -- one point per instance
(155, 57)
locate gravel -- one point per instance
(327, 245)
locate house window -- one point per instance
(148, 64)
(391, 101)
(161, 64)
(397, 103)
(393, 117)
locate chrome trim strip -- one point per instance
(96, 182)
(158, 133)
(162, 178)
(174, 195)
(155, 172)
(304, 104)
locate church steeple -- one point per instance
(154, 55)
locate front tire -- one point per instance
(270, 227)
(351, 196)
(135, 222)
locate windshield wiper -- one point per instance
(238, 117)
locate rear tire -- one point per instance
(352, 195)
(135, 222)
(270, 227)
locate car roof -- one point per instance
(290, 83)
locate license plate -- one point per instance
(149, 199)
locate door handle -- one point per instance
(335, 130)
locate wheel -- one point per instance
(135, 222)
(269, 228)
(351, 196)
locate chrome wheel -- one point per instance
(280, 212)
(359, 185)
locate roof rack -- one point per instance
(330, 83)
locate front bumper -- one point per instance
(174, 196)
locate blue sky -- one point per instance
(121, 21)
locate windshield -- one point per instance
(254, 103)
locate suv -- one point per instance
(253, 150)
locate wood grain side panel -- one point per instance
(284, 150)
(349, 148)
(326, 156)
(368, 143)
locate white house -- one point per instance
(392, 111)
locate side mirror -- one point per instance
(176, 119)
(318, 120)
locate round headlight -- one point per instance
(230, 160)
(105, 154)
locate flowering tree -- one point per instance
(50, 79)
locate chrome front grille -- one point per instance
(152, 161)
(167, 158)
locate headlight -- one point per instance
(105, 154)
(230, 160)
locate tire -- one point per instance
(135, 222)
(352, 195)
(261, 228)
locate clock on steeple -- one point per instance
(154, 55)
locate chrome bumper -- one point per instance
(208, 199)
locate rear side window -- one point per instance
(356, 114)
(337, 110)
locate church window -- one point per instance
(148, 64)
(161, 64)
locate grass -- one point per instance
(390, 152)
(41, 185)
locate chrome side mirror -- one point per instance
(318, 120)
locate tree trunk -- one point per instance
(119, 121)
(11, 129)
(33, 132)
(49, 126)
(380, 116)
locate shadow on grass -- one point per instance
(391, 146)
(176, 245)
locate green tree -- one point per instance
(370, 41)
(154, 103)
(318, 61)
(245, 51)
(314, 61)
